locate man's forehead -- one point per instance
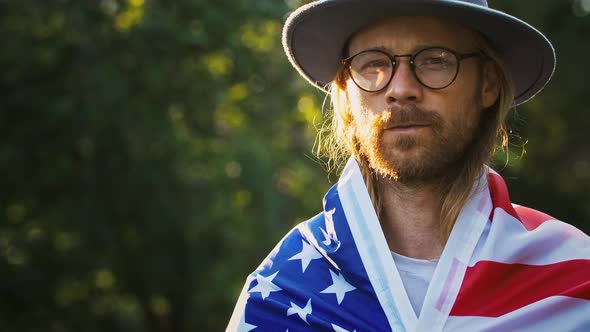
(408, 34)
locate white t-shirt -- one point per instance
(416, 275)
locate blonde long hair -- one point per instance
(337, 140)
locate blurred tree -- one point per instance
(554, 174)
(146, 148)
(154, 152)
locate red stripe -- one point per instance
(492, 289)
(500, 197)
(530, 218)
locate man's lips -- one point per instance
(407, 127)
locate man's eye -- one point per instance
(434, 62)
(375, 65)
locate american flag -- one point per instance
(504, 268)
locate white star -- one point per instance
(302, 312)
(329, 219)
(265, 285)
(243, 326)
(339, 329)
(307, 254)
(327, 240)
(330, 235)
(267, 264)
(339, 287)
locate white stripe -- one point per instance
(373, 249)
(551, 242)
(556, 313)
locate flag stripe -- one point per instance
(507, 241)
(531, 219)
(499, 194)
(557, 313)
(492, 289)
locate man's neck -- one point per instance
(411, 218)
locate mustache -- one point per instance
(408, 115)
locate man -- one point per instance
(419, 234)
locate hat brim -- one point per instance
(315, 35)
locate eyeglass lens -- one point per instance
(434, 68)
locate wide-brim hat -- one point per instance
(315, 35)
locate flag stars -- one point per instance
(327, 240)
(301, 312)
(243, 326)
(265, 285)
(330, 232)
(329, 216)
(307, 254)
(339, 287)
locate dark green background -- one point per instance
(153, 152)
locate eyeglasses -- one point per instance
(434, 67)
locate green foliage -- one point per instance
(153, 152)
(554, 173)
(147, 147)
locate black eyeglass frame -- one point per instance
(460, 56)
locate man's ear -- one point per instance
(490, 87)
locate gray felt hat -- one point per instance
(315, 35)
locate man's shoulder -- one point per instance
(535, 237)
(539, 228)
(533, 219)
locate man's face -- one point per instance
(407, 131)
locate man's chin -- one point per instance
(410, 166)
(403, 143)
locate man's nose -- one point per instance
(403, 87)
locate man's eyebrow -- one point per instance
(381, 48)
(377, 48)
(414, 49)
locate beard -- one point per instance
(425, 156)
